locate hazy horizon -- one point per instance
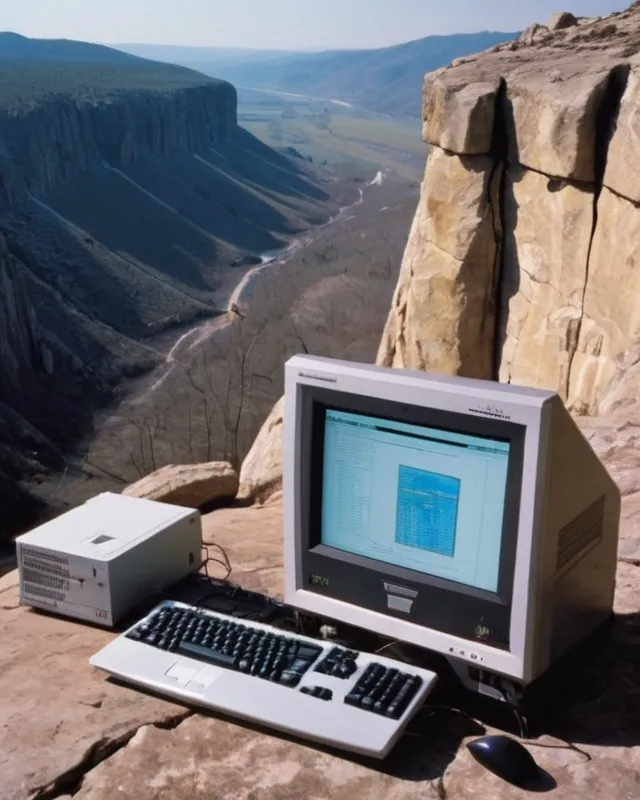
(293, 25)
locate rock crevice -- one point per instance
(499, 148)
(606, 122)
(69, 782)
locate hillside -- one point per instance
(14, 47)
(387, 80)
(130, 203)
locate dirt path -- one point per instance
(187, 342)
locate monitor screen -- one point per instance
(423, 498)
(409, 511)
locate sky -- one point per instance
(279, 24)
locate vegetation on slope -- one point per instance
(334, 133)
(34, 71)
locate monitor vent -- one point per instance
(580, 533)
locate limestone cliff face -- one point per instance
(19, 340)
(523, 263)
(71, 317)
(52, 143)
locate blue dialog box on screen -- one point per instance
(427, 510)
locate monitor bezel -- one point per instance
(441, 604)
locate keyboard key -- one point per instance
(308, 651)
(205, 654)
(384, 691)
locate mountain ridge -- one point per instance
(129, 198)
(386, 80)
(15, 46)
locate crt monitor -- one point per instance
(468, 517)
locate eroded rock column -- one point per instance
(443, 314)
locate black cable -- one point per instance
(220, 591)
(226, 563)
(228, 591)
(566, 744)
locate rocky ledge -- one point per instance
(522, 261)
(67, 731)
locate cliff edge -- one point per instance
(129, 197)
(521, 264)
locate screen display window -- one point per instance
(421, 498)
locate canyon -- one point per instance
(131, 204)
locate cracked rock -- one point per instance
(447, 272)
(135, 746)
(560, 115)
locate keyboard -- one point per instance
(304, 687)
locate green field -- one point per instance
(329, 132)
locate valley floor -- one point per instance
(328, 293)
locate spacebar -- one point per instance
(201, 653)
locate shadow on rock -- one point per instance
(600, 699)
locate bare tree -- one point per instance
(143, 454)
(223, 386)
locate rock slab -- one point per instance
(189, 485)
(65, 730)
(261, 471)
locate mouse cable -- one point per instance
(386, 647)
(524, 732)
(565, 743)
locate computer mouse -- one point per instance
(506, 758)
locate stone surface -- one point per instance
(57, 714)
(459, 117)
(261, 471)
(616, 440)
(611, 310)
(54, 709)
(546, 246)
(442, 315)
(623, 157)
(561, 20)
(621, 392)
(550, 112)
(190, 485)
(67, 731)
(556, 113)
